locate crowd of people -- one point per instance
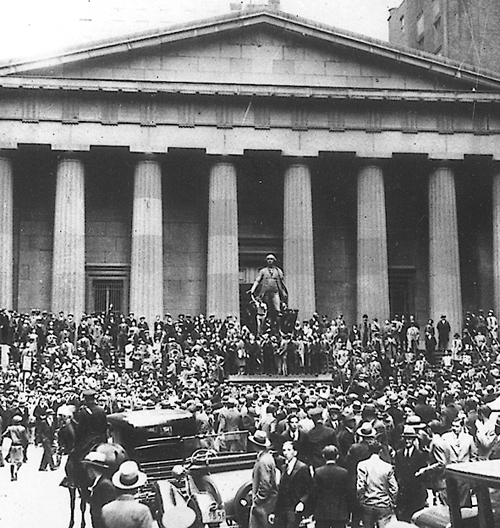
(404, 399)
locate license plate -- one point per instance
(216, 516)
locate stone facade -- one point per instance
(200, 149)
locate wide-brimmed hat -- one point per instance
(129, 476)
(17, 419)
(366, 431)
(409, 432)
(415, 421)
(260, 438)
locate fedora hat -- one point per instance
(415, 421)
(409, 432)
(260, 438)
(129, 476)
(367, 431)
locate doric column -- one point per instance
(496, 239)
(445, 295)
(6, 232)
(298, 246)
(68, 269)
(373, 275)
(146, 266)
(223, 296)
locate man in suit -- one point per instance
(330, 497)
(101, 491)
(294, 434)
(264, 487)
(230, 421)
(408, 462)
(317, 438)
(443, 328)
(293, 489)
(377, 489)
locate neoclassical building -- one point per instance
(155, 172)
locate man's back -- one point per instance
(376, 483)
(126, 512)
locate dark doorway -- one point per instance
(402, 291)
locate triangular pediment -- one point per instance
(268, 49)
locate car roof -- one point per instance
(487, 471)
(150, 417)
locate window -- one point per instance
(107, 287)
(108, 295)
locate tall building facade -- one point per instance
(155, 173)
(466, 31)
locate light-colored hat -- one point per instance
(97, 459)
(129, 476)
(409, 432)
(260, 438)
(367, 431)
(271, 256)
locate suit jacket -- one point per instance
(412, 491)
(264, 491)
(331, 498)
(293, 488)
(100, 494)
(376, 483)
(316, 439)
(126, 512)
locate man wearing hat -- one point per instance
(125, 511)
(101, 490)
(317, 438)
(412, 490)
(264, 487)
(46, 430)
(229, 422)
(91, 422)
(271, 286)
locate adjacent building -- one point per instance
(465, 31)
(155, 172)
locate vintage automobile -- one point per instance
(185, 469)
(484, 480)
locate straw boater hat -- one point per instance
(129, 476)
(366, 431)
(409, 432)
(260, 439)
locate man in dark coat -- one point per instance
(264, 487)
(294, 434)
(101, 491)
(412, 493)
(317, 438)
(443, 328)
(331, 497)
(293, 490)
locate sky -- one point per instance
(41, 27)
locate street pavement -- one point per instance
(35, 500)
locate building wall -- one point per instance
(464, 31)
(185, 214)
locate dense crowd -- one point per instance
(389, 382)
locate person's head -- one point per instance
(330, 452)
(293, 422)
(128, 478)
(270, 259)
(260, 440)
(289, 451)
(409, 436)
(457, 425)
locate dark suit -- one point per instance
(101, 493)
(316, 439)
(331, 497)
(412, 493)
(293, 488)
